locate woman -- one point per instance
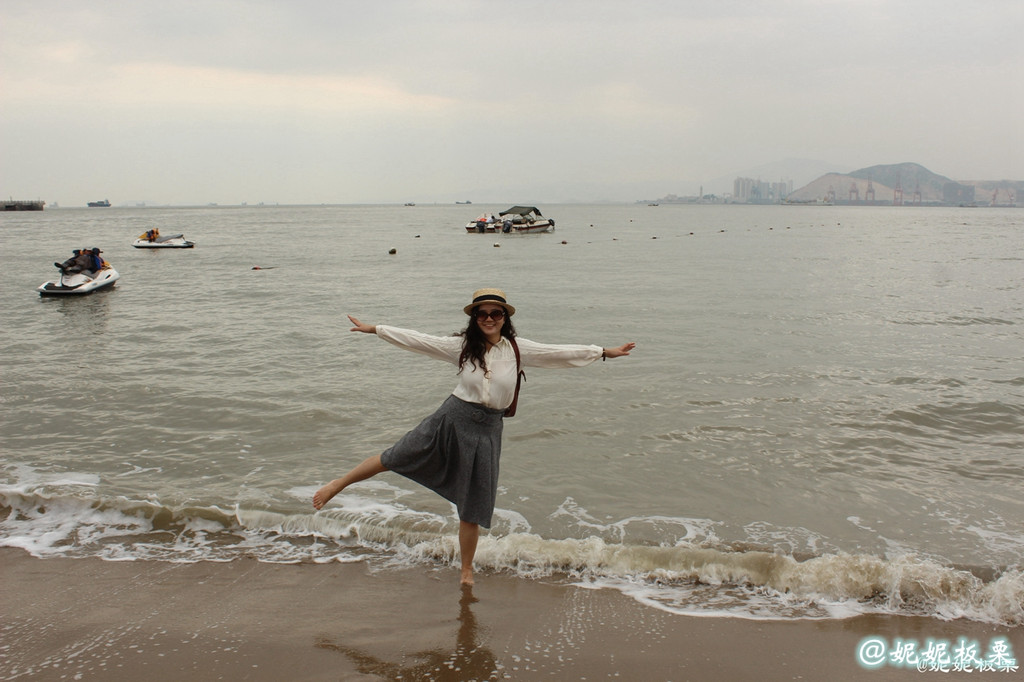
(455, 451)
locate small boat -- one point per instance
(518, 219)
(79, 283)
(103, 203)
(153, 240)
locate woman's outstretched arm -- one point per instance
(438, 347)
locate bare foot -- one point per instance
(324, 495)
(467, 577)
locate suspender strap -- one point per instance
(520, 376)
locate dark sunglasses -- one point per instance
(494, 314)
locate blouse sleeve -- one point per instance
(447, 348)
(556, 355)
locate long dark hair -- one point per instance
(474, 343)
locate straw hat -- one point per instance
(496, 296)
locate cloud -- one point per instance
(235, 89)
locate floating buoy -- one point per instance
(564, 242)
(497, 245)
(393, 251)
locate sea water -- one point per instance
(824, 414)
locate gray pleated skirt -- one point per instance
(455, 453)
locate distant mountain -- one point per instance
(895, 183)
(911, 178)
(907, 183)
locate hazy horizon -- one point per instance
(315, 102)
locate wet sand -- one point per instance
(89, 619)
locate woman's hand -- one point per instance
(361, 327)
(619, 351)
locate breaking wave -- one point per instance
(694, 578)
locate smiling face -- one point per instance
(490, 318)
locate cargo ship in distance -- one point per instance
(16, 205)
(104, 203)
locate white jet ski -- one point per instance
(172, 241)
(79, 283)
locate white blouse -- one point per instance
(496, 387)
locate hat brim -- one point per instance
(511, 310)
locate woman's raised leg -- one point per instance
(368, 468)
(469, 534)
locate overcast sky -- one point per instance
(332, 101)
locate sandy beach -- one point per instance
(90, 619)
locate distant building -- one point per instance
(751, 191)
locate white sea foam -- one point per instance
(705, 578)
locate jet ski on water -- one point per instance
(151, 239)
(84, 273)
